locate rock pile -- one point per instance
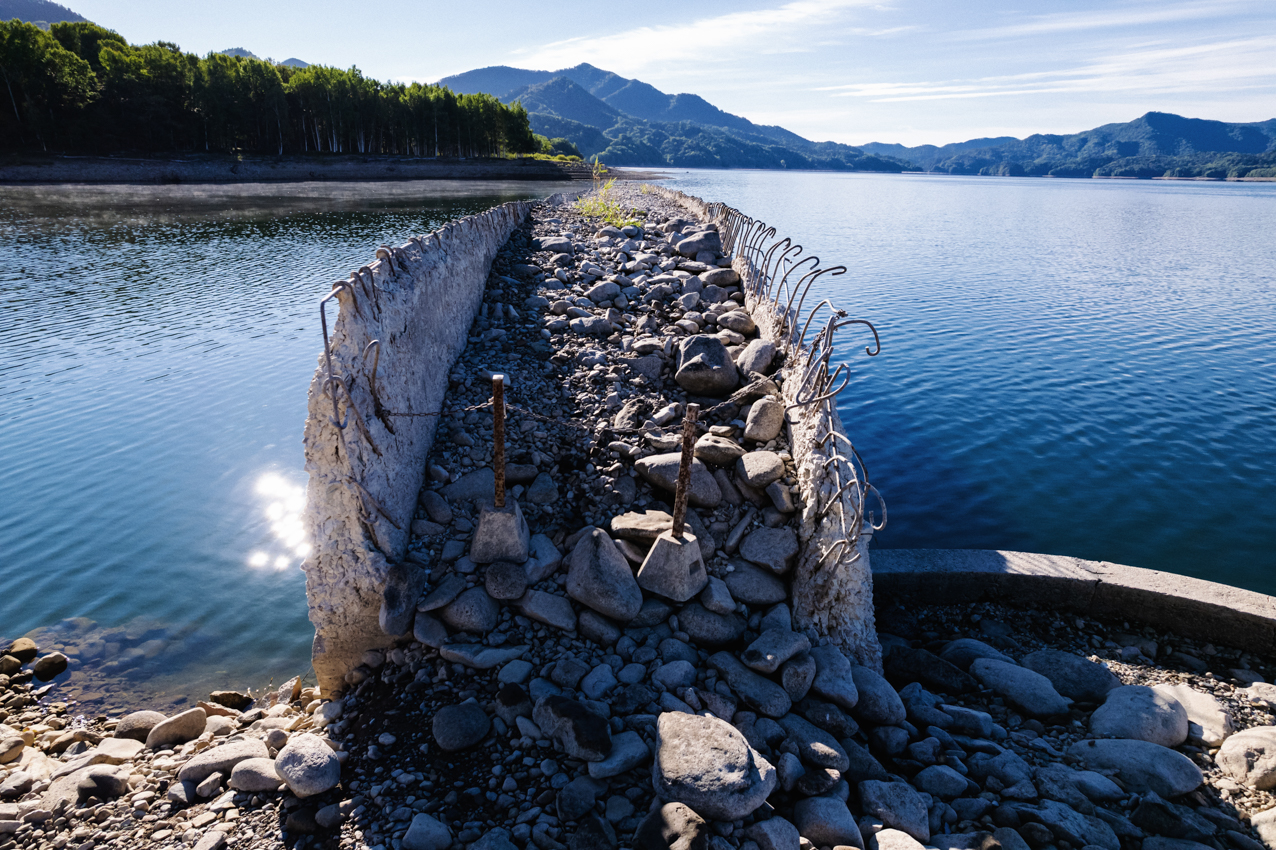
(571, 699)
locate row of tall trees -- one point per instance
(84, 89)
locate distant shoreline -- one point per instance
(204, 169)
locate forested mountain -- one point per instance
(1154, 145)
(82, 88)
(628, 122)
(36, 11)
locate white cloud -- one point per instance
(1114, 19)
(798, 27)
(1236, 65)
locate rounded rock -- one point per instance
(473, 611)
(459, 727)
(254, 776)
(308, 765)
(505, 581)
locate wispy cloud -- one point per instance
(1089, 20)
(797, 27)
(1235, 64)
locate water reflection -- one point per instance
(285, 502)
(159, 342)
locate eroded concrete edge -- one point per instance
(1191, 607)
(419, 306)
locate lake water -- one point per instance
(1077, 367)
(1068, 366)
(158, 347)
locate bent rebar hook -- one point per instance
(327, 349)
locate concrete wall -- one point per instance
(832, 586)
(364, 480)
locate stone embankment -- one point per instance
(568, 685)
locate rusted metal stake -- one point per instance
(498, 436)
(684, 469)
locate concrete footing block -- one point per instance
(501, 535)
(674, 567)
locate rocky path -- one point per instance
(571, 685)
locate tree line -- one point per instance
(80, 88)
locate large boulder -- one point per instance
(308, 765)
(1249, 757)
(708, 765)
(1141, 714)
(826, 822)
(1030, 692)
(1073, 676)
(599, 576)
(705, 367)
(662, 471)
(1142, 766)
(1209, 719)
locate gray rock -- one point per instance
(1078, 829)
(940, 780)
(1030, 692)
(505, 580)
(221, 759)
(641, 526)
(909, 664)
(897, 805)
(598, 682)
(436, 507)
(758, 692)
(963, 652)
(834, 679)
(628, 751)
(578, 797)
(673, 826)
(968, 721)
(178, 729)
(459, 727)
(738, 321)
(774, 834)
(699, 243)
(766, 420)
(479, 485)
(707, 764)
(758, 469)
(448, 588)
(773, 548)
(756, 357)
(480, 657)
(1073, 676)
(591, 326)
(674, 675)
(603, 291)
(599, 576)
(773, 648)
(50, 667)
(1140, 713)
(716, 596)
(893, 839)
(138, 725)
(1204, 712)
(719, 451)
(553, 245)
(308, 765)
(548, 608)
(662, 471)
(473, 611)
(826, 822)
(598, 628)
(426, 833)
(1249, 757)
(709, 629)
(878, 703)
(705, 367)
(429, 631)
(254, 776)
(816, 747)
(543, 490)
(753, 586)
(1142, 766)
(580, 732)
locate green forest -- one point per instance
(80, 88)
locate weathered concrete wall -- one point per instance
(364, 480)
(832, 587)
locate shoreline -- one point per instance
(209, 169)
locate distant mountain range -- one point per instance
(1155, 145)
(37, 12)
(248, 54)
(629, 122)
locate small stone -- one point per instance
(505, 581)
(773, 648)
(826, 822)
(758, 692)
(543, 490)
(254, 776)
(426, 833)
(50, 666)
(580, 732)
(459, 727)
(673, 826)
(766, 420)
(710, 629)
(138, 725)
(719, 451)
(628, 751)
(600, 577)
(758, 469)
(834, 678)
(754, 586)
(897, 805)
(548, 608)
(878, 704)
(472, 611)
(662, 471)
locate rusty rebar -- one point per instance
(498, 437)
(684, 469)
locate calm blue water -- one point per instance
(1078, 367)
(158, 345)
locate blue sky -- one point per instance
(911, 71)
